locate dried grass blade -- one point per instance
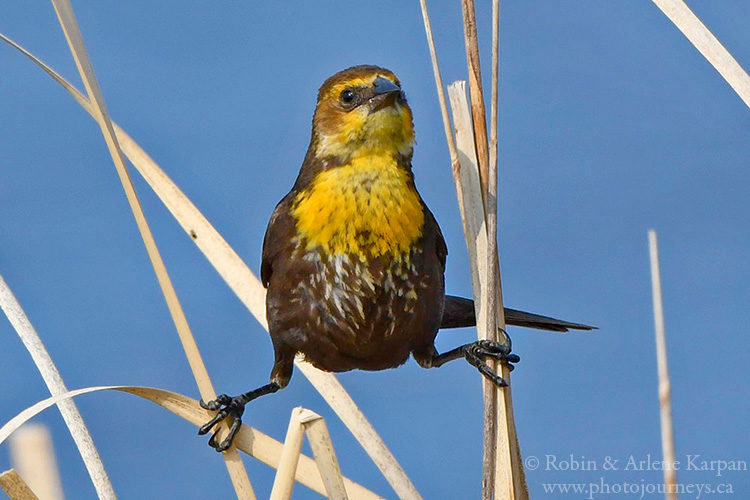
(322, 448)
(247, 287)
(495, 301)
(498, 402)
(707, 44)
(471, 233)
(345, 407)
(15, 487)
(490, 396)
(237, 472)
(251, 441)
(495, 92)
(468, 190)
(478, 113)
(54, 381)
(665, 387)
(455, 165)
(495, 317)
(283, 483)
(99, 112)
(33, 455)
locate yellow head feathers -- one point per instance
(362, 111)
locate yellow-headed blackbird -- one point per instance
(352, 258)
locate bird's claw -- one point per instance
(495, 350)
(215, 404)
(476, 353)
(227, 406)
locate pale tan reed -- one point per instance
(307, 422)
(707, 44)
(322, 449)
(54, 381)
(476, 92)
(33, 456)
(14, 486)
(251, 441)
(64, 10)
(501, 450)
(665, 387)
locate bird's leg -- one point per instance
(476, 352)
(231, 407)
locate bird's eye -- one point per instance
(347, 96)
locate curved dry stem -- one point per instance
(56, 385)
(64, 10)
(250, 440)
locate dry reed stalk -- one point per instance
(494, 97)
(504, 464)
(345, 407)
(251, 441)
(322, 448)
(64, 10)
(493, 458)
(55, 384)
(478, 113)
(486, 317)
(471, 232)
(498, 421)
(15, 487)
(469, 193)
(455, 165)
(665, 388)
(495, 300)
(283, 483)
(707, 44)
(32, 455)
(304, 421)
(246, 286)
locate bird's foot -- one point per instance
(231, 407)
(227, 407)
(476, 352)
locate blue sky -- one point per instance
(611, 123)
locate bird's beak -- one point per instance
(384, 93)
(384, 86)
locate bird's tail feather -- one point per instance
(459, 312)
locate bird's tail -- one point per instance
(459, 312)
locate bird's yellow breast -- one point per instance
(368, 207)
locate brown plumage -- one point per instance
(353, 259)
(343, 313)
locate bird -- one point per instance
(353, 260)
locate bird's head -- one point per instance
(362, 111)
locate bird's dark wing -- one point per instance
(459, 312)
(432, 230)
(279, 235)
